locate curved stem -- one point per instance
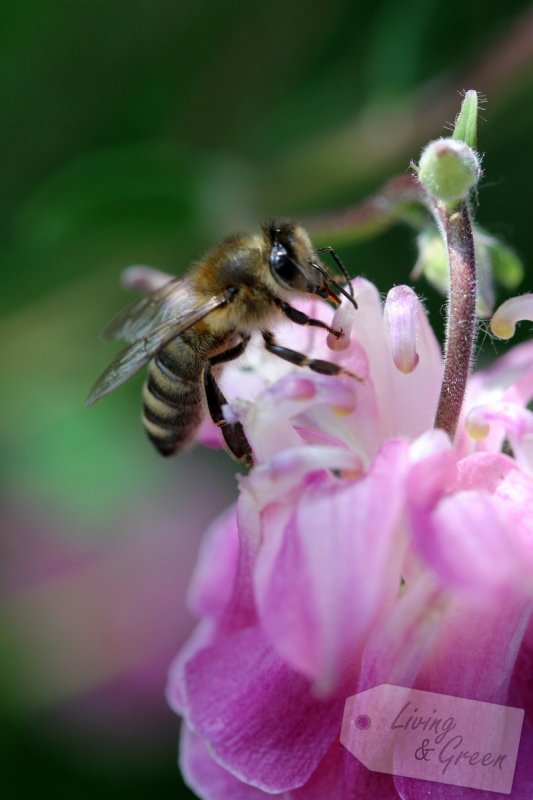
(401, 199)
(461, 323)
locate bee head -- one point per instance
(292, 260)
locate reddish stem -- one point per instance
(461, 322)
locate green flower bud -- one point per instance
(506, 266)
(448, 169)
(432, 260)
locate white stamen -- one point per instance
(513, 418)
(503, 323)
(400, 318)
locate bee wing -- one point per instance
(137, 355)
(165, 304)
(141, 278)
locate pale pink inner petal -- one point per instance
(315, 576)
(509, 378)
(470, 545)
(513, 419)
(414, 396)
(276, 481)
(396, 649)
(268, 422)
(476, 539)
(368, 331)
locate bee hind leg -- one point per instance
(233, 433)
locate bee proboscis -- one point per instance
(189, 326)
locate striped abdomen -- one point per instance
(172, 395)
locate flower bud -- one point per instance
(448, 169)
(507, 267)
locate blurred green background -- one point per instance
(140, 132)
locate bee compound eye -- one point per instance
(281, 263)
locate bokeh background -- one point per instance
(140, 132)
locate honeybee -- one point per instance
(188, 327)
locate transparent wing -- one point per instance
(167, 303)
(137, 355)
(141, 278)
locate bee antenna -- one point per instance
(339, 263)
(330, 279)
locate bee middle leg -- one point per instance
(233, 432)
(301, 360)
(295, 315)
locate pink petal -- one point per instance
(476, 650)
(396, 649)
(258, 717)
(202, 636)
(210, 434)
(484, 471)
(368, 333)
(473, 657)
(413, 397)
(409, 789)
(268, 421)
(434, 468)
(339, 776)
(207, 778)
(468, 543)
(522, 682)
(316, 591)
(523, 777)
(475, 539)
(510, 378)
(516, 422)
(283, 475)
(449, 646)
(214, 575)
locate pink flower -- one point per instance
(365, 548)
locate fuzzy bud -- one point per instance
(449, 169)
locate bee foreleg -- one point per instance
(233, 433)
(302, 319)
(301, 360)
